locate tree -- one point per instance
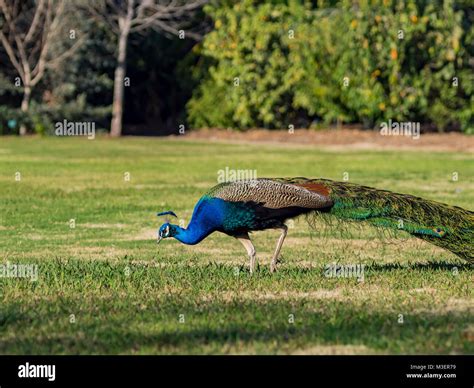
(30, 32)
(129, 16)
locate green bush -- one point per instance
(10, 120)
(43, 117)
(366, 61)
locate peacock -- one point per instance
(239, 207)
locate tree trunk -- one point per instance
(117, 105)
(25, 104)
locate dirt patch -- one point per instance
(342, 139)
(96, 253)
(144, 234)
(451, 306)
(335, 350)
(34, 236)
(468, 334)
(229, 296)
(103, 226)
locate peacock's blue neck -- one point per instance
(207, 217)
(192, 235)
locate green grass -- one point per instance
(125, 294)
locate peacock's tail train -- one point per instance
(449, 227)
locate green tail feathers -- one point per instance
(449, 227)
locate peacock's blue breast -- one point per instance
(224, 215)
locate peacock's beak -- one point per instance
(159, 239)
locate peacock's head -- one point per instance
(167, 230)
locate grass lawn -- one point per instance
(105, 287)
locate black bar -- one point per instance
(305, 371)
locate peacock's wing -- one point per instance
(274, 193)
(265, 203)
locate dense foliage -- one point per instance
(269, 63)
(291, 63)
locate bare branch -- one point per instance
(101, 17)
(52, 22)
(36, 21)
(66, 54)
(169, 17)
(8, 13)
(28, 36)
(137, 16)
(11, 55)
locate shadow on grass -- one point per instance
(244, 327)
(294, 269)
(431, 266)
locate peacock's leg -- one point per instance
(247, 243)
(273, 263)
